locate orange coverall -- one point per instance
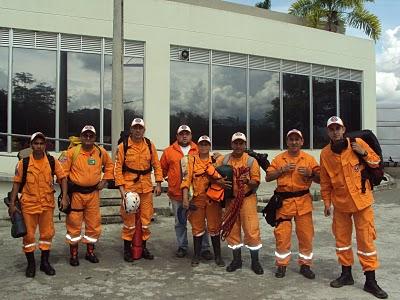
(37, 201)
(299, 208)
(171, 168)
(85, 172)
(137, 157)
(199, 172)
(248, 217)
(341, 186)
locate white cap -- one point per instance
(137, 121)
(88, 128)
(239, 136)
(204, 138)
(334, 120)
(37, 134)
(183, 128)
(296, 131)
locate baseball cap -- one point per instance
(239, 136)
(334, 120)
(183, 128)
(88, 128)
(296, 131)
(204, 138)
(137, 121)
(36, 135)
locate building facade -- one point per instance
(216, 66)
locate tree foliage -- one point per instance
(266, 4)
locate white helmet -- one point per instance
(131, 202)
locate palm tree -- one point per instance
(330, 14)
(266, 4)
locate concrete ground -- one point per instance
(168, 277)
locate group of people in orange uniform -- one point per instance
(190, 169)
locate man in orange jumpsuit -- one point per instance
(294, 171)
(248, 218)
(200, 172)
(37, 202)
(341, 186)
(84, 166)
(171, 168)
(133, 168)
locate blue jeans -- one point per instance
(181, 230)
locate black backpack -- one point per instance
(262, 158)
(374, 175)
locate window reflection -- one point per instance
(189, 98)
(264, 110)
(3, 96)
(34, 91)
(229, 104)
(350, 104)
(133, 92)
(324, 106)
(79, 93)
(296, 105)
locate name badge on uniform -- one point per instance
(91, 161)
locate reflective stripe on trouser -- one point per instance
(305, 235)
(248, 220)
(206, 210)
(46, 230)
(90, 203)
(365, 236)
(146, 213)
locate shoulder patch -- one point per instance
(63, 157)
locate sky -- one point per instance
(387, 47)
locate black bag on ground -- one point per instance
(374, 175)
(269, 211)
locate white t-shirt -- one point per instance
(185, 150)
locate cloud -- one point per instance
(388, 70)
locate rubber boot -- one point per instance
(31, 268)
(73, 260)
(255, 264)
(45, 265)
(90, 255)
(146, 253)
(197, 250)
(371, 286)
(216, 242)
(306, 271)
(127, 251)
(280, 272)
(236, 263)
(344, 279)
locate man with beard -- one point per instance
(341, 186)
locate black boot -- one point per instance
(216, 242)
(344, 279)
(306, 271)
(127, 251)
(197, 250)
(31, 268)
(280, 272)
(236, 263)
(371, 286)
(255, 264)
(73, 260)
(90, 255)
(146, 253)
(45, 265)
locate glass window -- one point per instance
(33, 94)
(264, 110)
(324, 106)
(189, 100)
(79, 93)
(350, 104)
(229, 104)
(133, 92)
(3, 96)
(296, 105)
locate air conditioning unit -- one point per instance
(184, 54)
